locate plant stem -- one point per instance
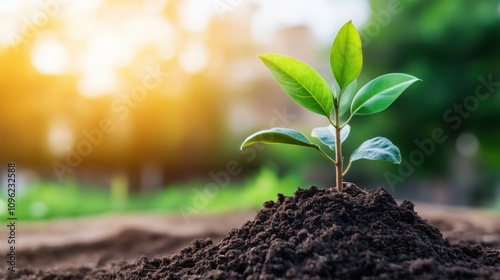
(347, 168)
(338, 150)
(326, 156)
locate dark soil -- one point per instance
(316, 234)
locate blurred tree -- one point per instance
(176, 128)
(454, 47)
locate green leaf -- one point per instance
(326, 135)
(379, 93)
(278, 135)
(378, 148)
(301, 82)
(335, 95)
(346, 55)
(346, 98)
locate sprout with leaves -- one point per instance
(308, 88)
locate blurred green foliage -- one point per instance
(450, 45)
(49, 200)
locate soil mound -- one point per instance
(315, 234)
(323, 234)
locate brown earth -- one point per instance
(272, 245)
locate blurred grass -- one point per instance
(50, 200)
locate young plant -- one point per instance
(308, 88)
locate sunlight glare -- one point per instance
(49, 56)
(98, 82)
(99, 63)
(106, 50)
(194, 58)
(7, 7)
(195, 15)
(76, 8)
(166, 50)
(155, 5)
(60, 138)
(144, 29)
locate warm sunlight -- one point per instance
(60, 138)
(97, 47)
(158, 68)
(9, 6)
(49, 56)
(98, 82)
(194, 57)
(99, 62)
(195, 15)
(10, 25)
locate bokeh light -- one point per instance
(178, 84)
(49, 56)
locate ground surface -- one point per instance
(110, 246)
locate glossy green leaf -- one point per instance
(335, 95)
(326, 134)
(346, 55)
(379, 93)
(278, 135)
(378, 148)
(346, 98)
(301, 82)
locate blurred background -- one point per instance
(142, 105)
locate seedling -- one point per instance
(308, 88)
